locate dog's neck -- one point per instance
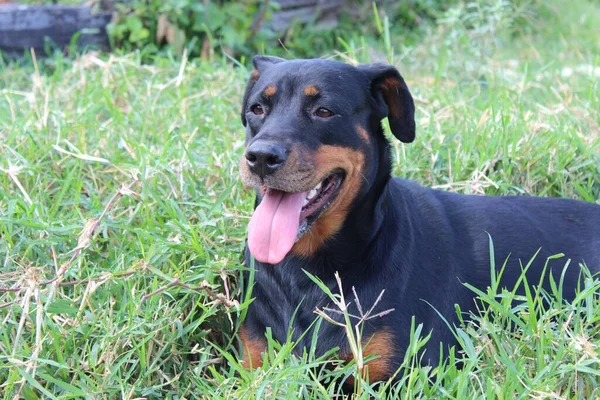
(367, 215)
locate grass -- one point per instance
(146, 305)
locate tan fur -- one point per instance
(311, 90)
(252, 348)
(327, 159)
(362, 133)
(381, 346)
(297, 175)
(270, 91)
(389, 89)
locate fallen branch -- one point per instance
(4, 305)
(159, 290)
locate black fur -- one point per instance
(418, 244)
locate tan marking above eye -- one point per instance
(311, 90)
(270, 91)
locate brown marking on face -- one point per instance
(362, 133)
(252, 348)
(270, 91)
(245, 173)
(381, 346)
(255, 74)
(327, 159)
(297, 175)
(311, 90)
(389, 89)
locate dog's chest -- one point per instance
(285, 300)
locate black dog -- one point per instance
(317, 155)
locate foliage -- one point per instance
(200, 27)
(144, 305)
(242, 28)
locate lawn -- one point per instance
(122, 218)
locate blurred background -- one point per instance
(292, 28)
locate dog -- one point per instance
(326, 202)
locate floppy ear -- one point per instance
(260, 63)
(393, 99)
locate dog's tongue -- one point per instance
(274, 225)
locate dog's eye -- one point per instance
(323, 113)
(257, 109)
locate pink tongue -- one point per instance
(274, 225)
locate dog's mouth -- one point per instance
(318, 200)
(282, 218)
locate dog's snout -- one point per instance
(264, 158)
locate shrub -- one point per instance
(242, 27)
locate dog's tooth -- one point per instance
(305, 202)
(311, 194)
(318, 186)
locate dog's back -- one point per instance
(524, 231)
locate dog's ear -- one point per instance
(393, 99)
(260, 64)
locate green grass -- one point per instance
(147, 304)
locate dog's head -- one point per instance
(313, 134)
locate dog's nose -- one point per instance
(264, 158)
